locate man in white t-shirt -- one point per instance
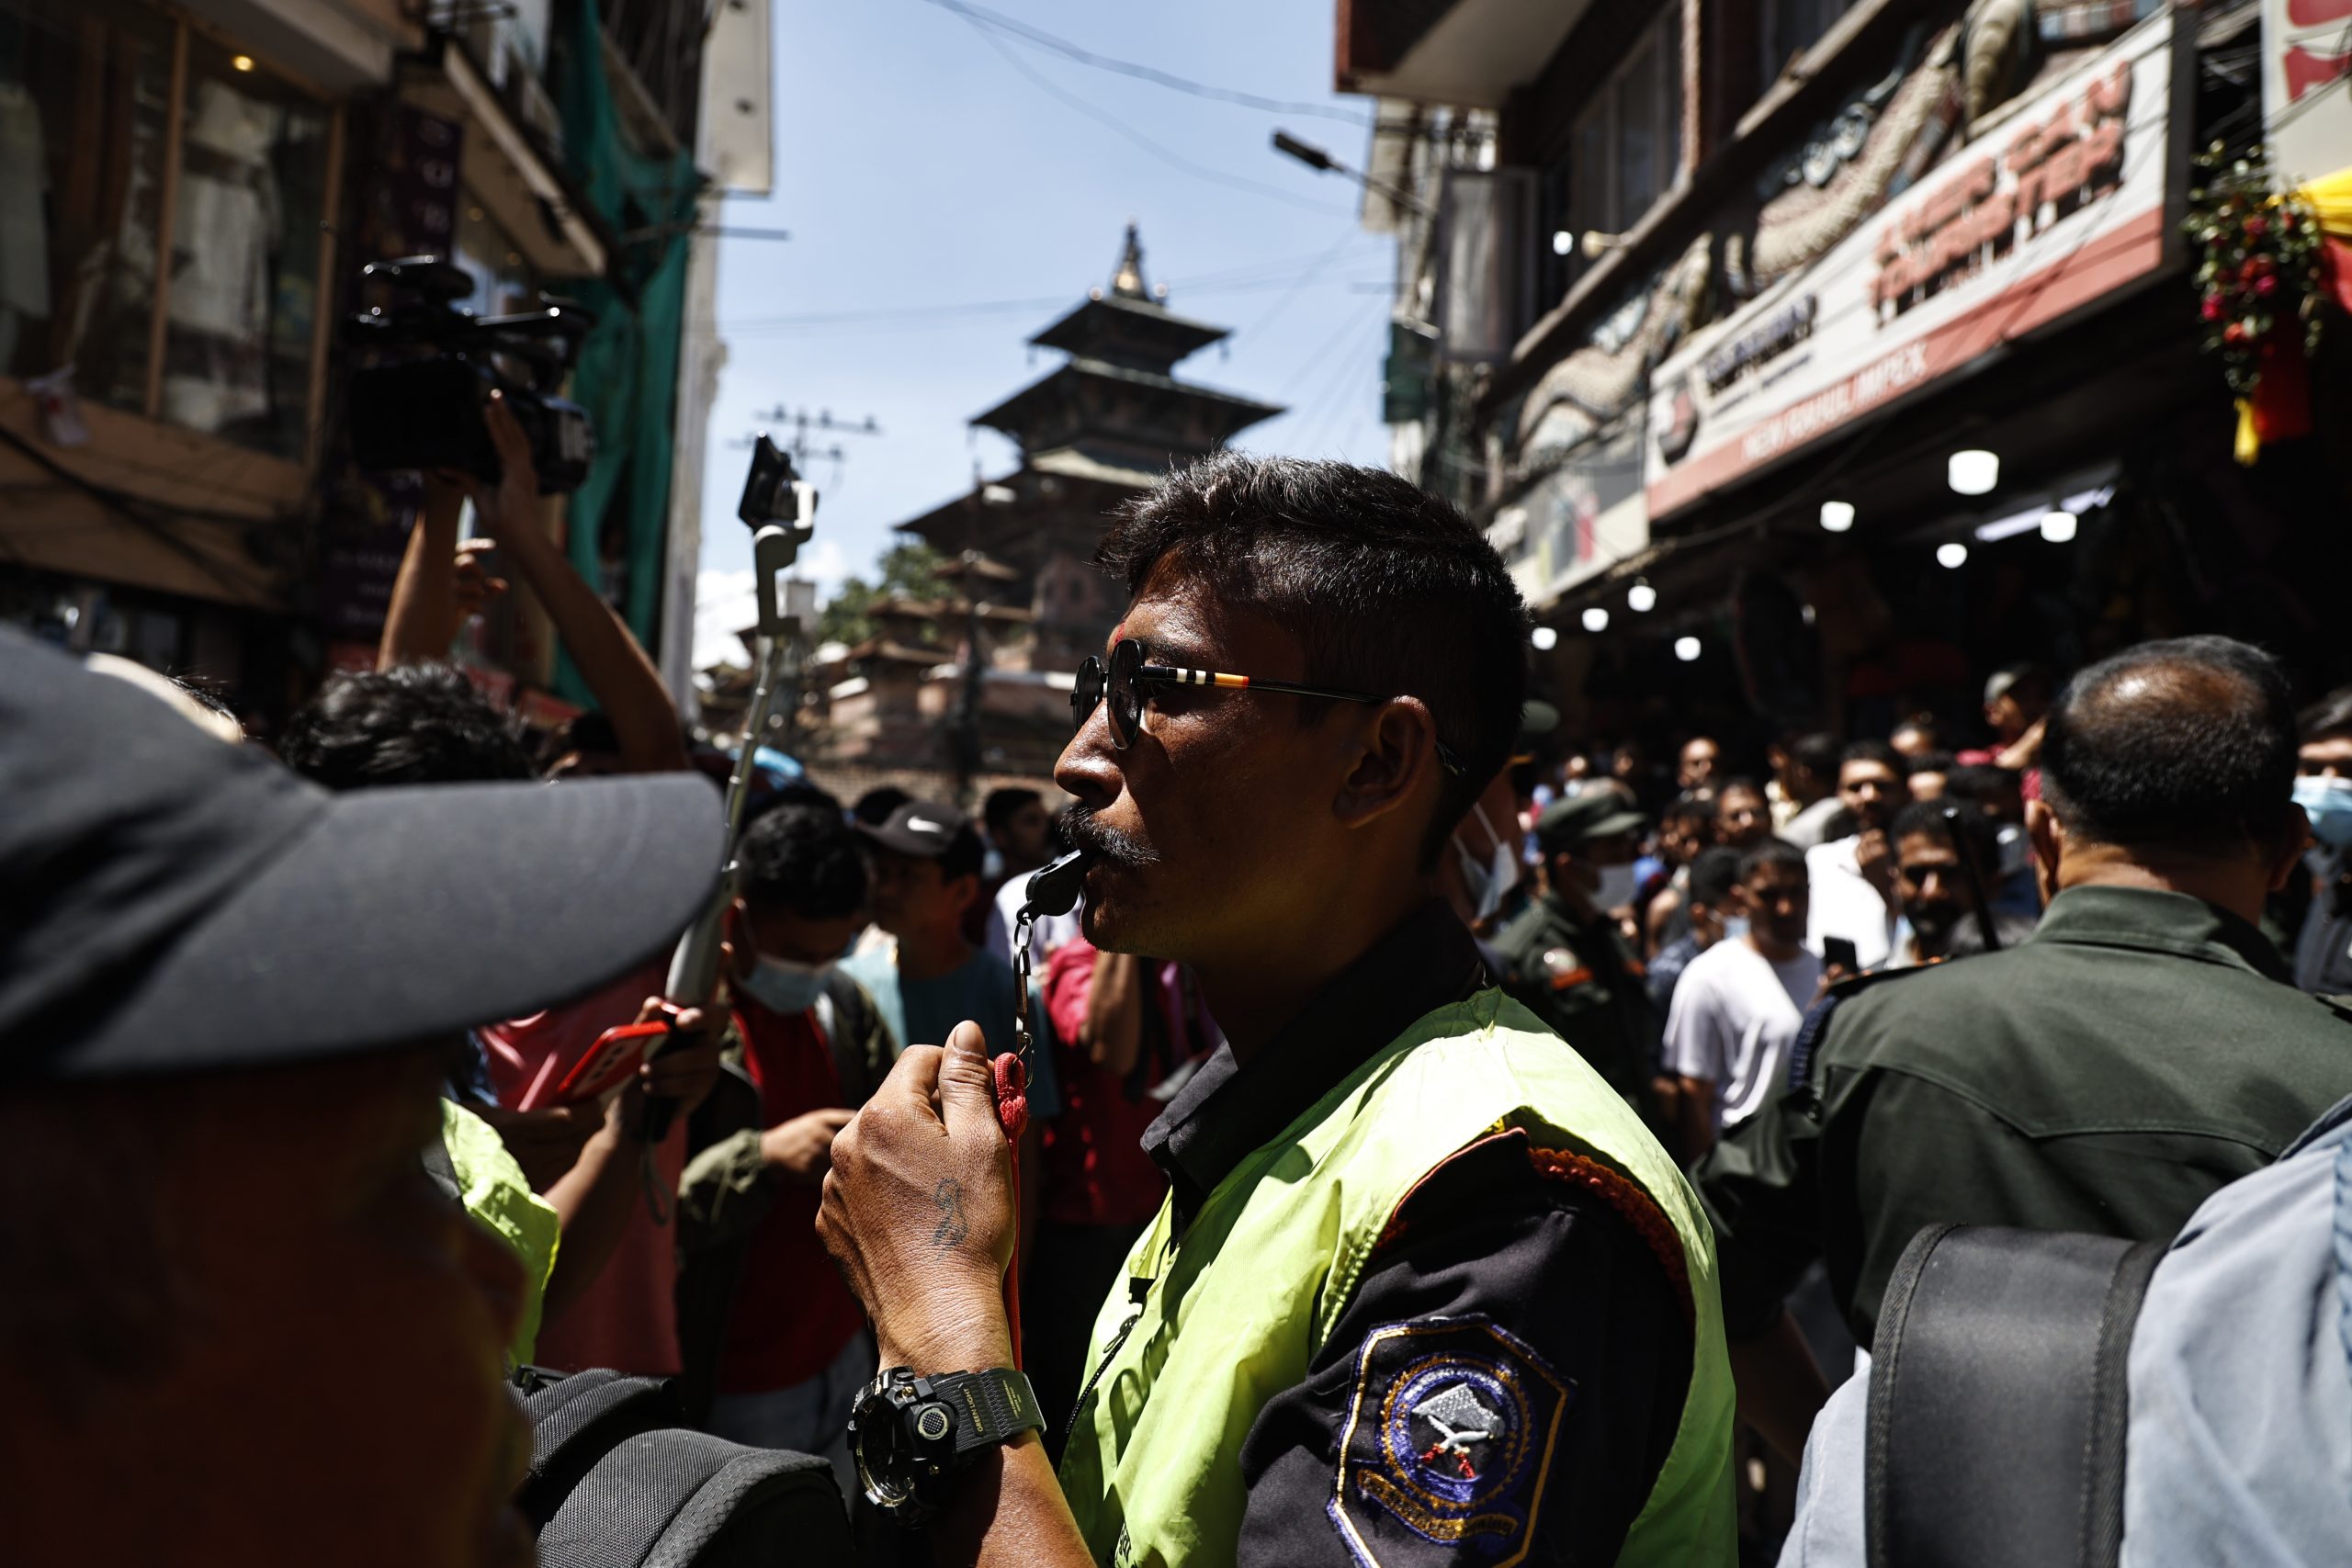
(1854, 895)
(1737, 1007)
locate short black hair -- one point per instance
(2188, 742)
(590, 730)
(1931, 763)
(1877, 752)
(1713, 875)
(1769, 853)
(801, 856)
(1981, 783)
(873, 808)
(1926, 818)
(1818, 754)
(1388, 589)
(2328, 719)
(411, 724)
(1919, 722)
(1002, 804)
(1742, 783)
(1691, 806)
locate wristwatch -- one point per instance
(910, 1434)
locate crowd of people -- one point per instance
(1404, 1056)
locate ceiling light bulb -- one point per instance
(1837, 517)
(1641, 598)
(1686, 649)
(1545, 638)
(1595, 619)
(1563, 242)
(240, 62)
(2058, 526)
(1973, 472)
(1953, 556)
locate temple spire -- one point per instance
(1127, 282)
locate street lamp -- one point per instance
(1323, 163)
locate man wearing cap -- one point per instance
(1423, 1291)
(1568, 960)
(228, 1000)
(926, 858)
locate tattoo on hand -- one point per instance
(949, 1196)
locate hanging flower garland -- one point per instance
(2261, 277)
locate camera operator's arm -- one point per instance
(424, 615)
(626, 684)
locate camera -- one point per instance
(420, 406)
(773, 491)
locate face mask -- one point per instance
(783, 986)
(2327, 801)
(1734, 927)
(1488, 883)
(1618, 885)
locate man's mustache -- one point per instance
(1084, 830)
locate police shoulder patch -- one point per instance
(1450, 1434)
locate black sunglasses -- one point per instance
(1124, 680)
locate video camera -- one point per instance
(424, 407)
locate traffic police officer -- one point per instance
(2141, 1049)
(1568, 962)
(1424, 1290)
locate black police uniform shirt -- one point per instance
(1487, 1238)
(2139, 1052)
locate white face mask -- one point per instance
(783, 986)
(1618, 885)
(1489, 883)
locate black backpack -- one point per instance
(616, 1482)
(1998, 1399)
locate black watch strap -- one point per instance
(993, 1407)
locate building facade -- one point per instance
(187, 193)
(1708, 325)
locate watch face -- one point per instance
(879, 1442)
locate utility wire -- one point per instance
(1165, 154)
(982, 15)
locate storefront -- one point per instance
(164, 192)
(1974, 430)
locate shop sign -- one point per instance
(2060, 204)
(2306, 106)
(1581, 517)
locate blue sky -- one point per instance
(918, 168)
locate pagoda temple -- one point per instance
(1101, 426)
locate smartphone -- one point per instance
(1838, 952)
(609, 1063)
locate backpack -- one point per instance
(616, 1482)
(1998, 1373)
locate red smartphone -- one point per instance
(609, 1063)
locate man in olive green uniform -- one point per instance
(1569, 963)
(2142, 1049)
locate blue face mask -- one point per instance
(1734, 927)
(783, 986)
(2327, 801)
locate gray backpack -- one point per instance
(616, 1482)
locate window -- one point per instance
(1624, 154)
(213, 325)
(245, 287)
(85, 97)
(1786, 29)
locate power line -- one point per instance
(1167, 155)
(885, 316)
(1069, 50)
